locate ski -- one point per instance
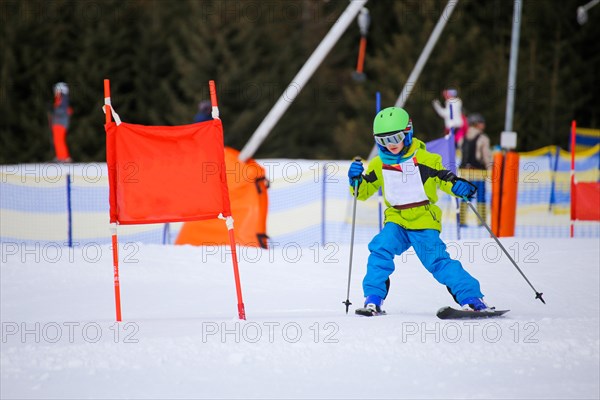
(368, 312)
(453, 313)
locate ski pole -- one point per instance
(355, 185)
(538, 295)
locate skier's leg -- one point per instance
(431, 250)
(392, 240)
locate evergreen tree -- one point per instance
(160, 56)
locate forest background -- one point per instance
(160, 55)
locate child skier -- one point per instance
(409, 176)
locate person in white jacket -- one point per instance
(455, 121)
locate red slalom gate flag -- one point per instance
(166, 173)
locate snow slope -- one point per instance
(180, 336)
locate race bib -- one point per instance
(403, 184)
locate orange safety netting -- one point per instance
(249, 204)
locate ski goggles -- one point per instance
(390, 138)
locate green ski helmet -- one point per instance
(392, 125)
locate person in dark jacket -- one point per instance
(476, 159)
(204, 112)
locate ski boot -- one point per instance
(372, 307)
(475, 304)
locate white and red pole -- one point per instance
(229, 219)
(113, 225)
(573, 182)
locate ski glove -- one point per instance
(463, 188)
(355, 172)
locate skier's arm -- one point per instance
(454, 185)
(368, 184)
(448, 181)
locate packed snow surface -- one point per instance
(181, 337)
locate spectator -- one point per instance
(60, 118)
(457, 120)
(476, 159)
(204, 112)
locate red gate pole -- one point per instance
(113, 225)
(236, 271)
(573, 183)
(229, 219)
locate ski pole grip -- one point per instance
(357, 158)
(356, 179)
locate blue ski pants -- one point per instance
(394, 240)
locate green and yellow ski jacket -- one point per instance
(432, 175)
